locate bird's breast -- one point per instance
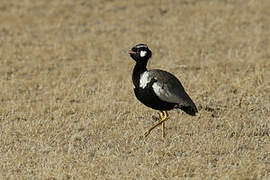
(148, 97)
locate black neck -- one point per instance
(139, 68)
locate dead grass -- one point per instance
(67, 109)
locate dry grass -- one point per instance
(67, 108)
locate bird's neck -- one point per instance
(139, 68)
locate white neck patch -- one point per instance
(144, 79)
(143, 53)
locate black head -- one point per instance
(140, 53)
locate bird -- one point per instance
(158, 89)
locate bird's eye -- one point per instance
(143, 53)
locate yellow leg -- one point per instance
(163, 129)
(163, 118)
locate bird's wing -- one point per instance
(168, 88)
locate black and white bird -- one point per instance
(158, 89)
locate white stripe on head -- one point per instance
(144, 79)
(141, 45)
(143, 53)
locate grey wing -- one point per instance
(168, 88)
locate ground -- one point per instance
(67, 107)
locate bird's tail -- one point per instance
(191, 110)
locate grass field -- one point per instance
(67, 108)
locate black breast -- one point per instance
(148, 97)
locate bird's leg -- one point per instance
(163, 118)
(163, 129)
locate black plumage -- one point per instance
(158, 89)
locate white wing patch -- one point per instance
(144, 79)
(164, 94)
(143, 53)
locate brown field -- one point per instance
(67, 108)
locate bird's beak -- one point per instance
(131, 52)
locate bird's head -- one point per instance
(140, 53)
